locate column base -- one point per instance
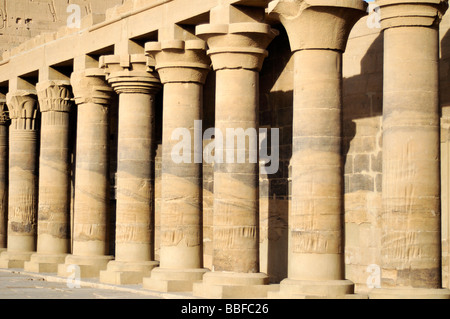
(44, 263)
(89, 266)
(127, 273)
(174, 280)
(308, 289)
(14, 259)
(228, 285)
(409, 293)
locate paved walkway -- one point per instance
(18, 284)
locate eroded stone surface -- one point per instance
(366, 196)
(23, 178)
(91, 204)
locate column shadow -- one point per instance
(445, 138)
(276, 111)
(362, 157)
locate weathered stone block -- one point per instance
(361, 163)
(361, 182)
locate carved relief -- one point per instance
(54, 96)
(23, 109)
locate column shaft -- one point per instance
(91, 211)
(316, 258)
(129, 76)
(23, 189)
(236, 185)
(54, 184)
(23, 179)
(181, 183)
(53, 240)
(237, 44)
(411, 164)
(182, 66)
(315, 222)
(92, 191)
(135, 177)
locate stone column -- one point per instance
(318, 35)
(137, 86)
(183, 67)
(237, 47)
(53, 241)
(23, 179)
(91, 204)
(4, 125)
(411, 216)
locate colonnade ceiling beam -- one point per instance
(130, 25)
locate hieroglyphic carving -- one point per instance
(51, 7)
(3, 15)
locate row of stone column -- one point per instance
(410, 220)
(237, 42)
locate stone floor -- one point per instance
(18, 284)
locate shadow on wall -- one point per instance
(276, 101)
(362, 155)
(445, 74)
(363, 94)
(362, 111)
(445, 150)
(113, 136)
(362, 118)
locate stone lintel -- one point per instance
(54, 95)
(407, 13)
(318, 24)
(228, 13)
(240, 45)
(180, 60)
(90, 86)
(175, 32)
(132, 73)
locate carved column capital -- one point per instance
(180, 61)
(237, 45)
(130, 74)
(318, 24)
(23, 107)
(90, 86)
(401, 13)
(54, 95)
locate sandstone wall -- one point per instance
(363, 88)
(21, 20)
(363, 92)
